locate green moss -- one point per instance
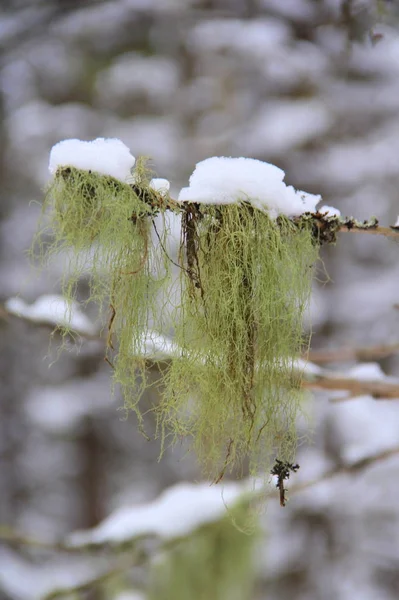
(214, 562)
(245, 286)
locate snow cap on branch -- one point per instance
(178, 511)
(223, 180)
(330, 210)
(108, 156)
(54, 310)
(160, 185)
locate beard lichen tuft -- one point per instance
(235, 389)
(103, 226)
(244, 283)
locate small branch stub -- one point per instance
(282, 470)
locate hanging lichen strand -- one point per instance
(103, 226)
(246, 281)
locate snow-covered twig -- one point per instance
(9, 536)
(52, 311)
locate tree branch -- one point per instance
(9, 536)
(377, 389)
(7, 315)
(142, 556)
(347, 354)
(91, 583)
(386, 231)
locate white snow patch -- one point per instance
(130, 595)
(223, 180)
(367, 372)
(23, 579)
(54, 310)
(363, 426)
(155, 346)
(307, 367)
(108, 156)
(279, 127)
(178, 511)
(256, 38)
(133, 76)
(162, 186)
(330, 210)
(61, 409)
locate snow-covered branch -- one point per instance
(51, 310)
(95, 581)
(124, 529)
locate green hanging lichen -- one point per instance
(244, 283)
(104, 228)
(216, 561)
(235, 388)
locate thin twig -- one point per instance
(347, 354)
(386, 231)
(377, 389)
(164, 249)
(12, 537)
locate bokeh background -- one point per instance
(309, 85)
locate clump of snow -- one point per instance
(24, 579)
(330, 211)
(62, 409)
(54, 310)
(129, 595)
(162, 186)
(178, 511)
(283, 125)
(307, 367)
(232, 35)
(367, 372)
(108, 156)
(223, 180)
(363, 426)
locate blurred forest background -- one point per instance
(310, 85)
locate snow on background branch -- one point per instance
(304, 85)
